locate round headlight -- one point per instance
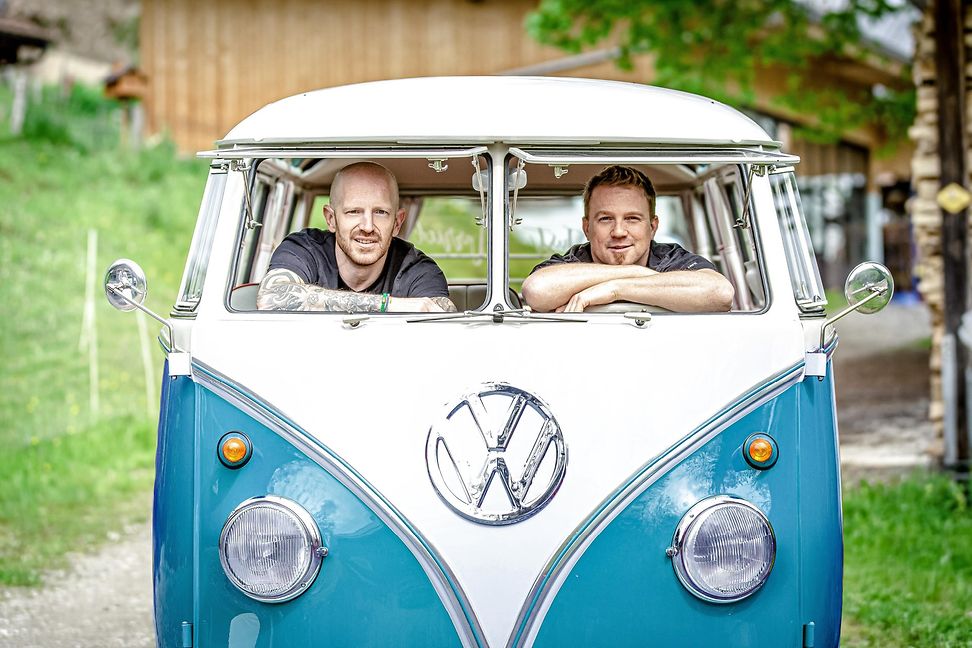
(270, 548)
(723, 549)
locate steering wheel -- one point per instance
(625, 307)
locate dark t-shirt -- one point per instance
(662, 257)
(407, 271)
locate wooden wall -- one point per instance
(212, 62)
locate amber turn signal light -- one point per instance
(234, 449)
(760, 451)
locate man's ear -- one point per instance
(654, 224)
(584, 225)
(329, 217)
(399, 219)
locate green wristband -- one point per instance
(385, 298)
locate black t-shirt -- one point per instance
(662, 257)
(407, 271)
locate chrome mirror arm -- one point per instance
(166, 323)
(875, 292)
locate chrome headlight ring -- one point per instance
(270, 548)
(723, 550)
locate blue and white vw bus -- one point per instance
(498, 477)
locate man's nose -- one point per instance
(619, 230)
(367, 223)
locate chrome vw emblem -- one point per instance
(497, 456)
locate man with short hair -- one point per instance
(359, 265)
(621, 261)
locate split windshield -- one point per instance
(453, 216)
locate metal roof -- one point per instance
(548, 110)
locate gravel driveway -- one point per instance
(105, 600)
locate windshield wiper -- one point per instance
(498, 315)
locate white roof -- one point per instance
(551, 110)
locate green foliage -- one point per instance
(908, 564)
(718, 47)
(80, 118)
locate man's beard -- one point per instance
(356, 255)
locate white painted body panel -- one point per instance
(620, 393)
(541, 109)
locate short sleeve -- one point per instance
(293, 255)
(576, 254)
(668, 257)
(556, 259)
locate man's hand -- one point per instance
(551, 288)
(602, 293)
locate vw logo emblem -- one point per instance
(497, 456)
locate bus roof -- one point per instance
(547, 110)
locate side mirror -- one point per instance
(868, 289)
(125, 285)
(126, 288)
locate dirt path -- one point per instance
(881, 372)
(105, 601)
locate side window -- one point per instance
(804, 275)
(730, 229)
(202, 243)
(274, 203)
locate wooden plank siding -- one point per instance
(212, 63)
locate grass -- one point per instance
(908, 564)
(70, 463)
(60, 493)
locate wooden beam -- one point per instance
(950, 77)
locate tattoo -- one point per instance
(284, 290)
(445, 304)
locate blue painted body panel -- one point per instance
(623, 590)
(821, 517)
(172, 548)
(370, 591)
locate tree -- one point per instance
(718, 47)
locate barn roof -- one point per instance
(550, 110)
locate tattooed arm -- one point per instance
(444, 303)
(284, 290)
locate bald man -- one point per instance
(359, 265)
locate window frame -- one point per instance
(801, 262)
(200, 249)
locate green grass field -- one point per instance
(908, 564)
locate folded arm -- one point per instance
(549, 288)
(573, 287)
(285, 290)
